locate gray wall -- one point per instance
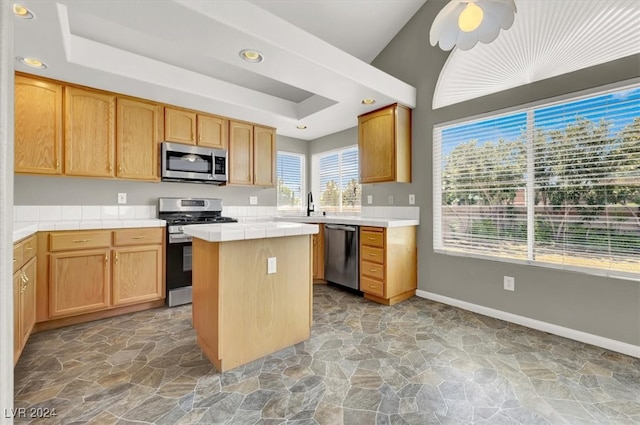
(40, 190)
(596, 305)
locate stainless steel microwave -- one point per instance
(193, 164)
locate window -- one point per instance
(336, 186)
(555, 185)
(291, 190)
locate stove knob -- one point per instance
(180, 228)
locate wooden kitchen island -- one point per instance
(240, 311)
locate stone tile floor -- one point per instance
(418, 362)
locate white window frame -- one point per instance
(303, 182)
(529, 192)
(315, 179)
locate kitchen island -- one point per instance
(252, 289)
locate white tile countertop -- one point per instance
(23, 229)
(352, 220)
(240, 231)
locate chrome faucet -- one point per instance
(310, 207)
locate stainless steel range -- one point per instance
(179, 212)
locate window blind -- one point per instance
(555, 185)
(335, 178)
(291, 182)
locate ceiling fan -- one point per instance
(464, 23)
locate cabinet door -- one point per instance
(89, 133)
(38, 126)
(137, 139)
(17, 317)
(78, 282)
(318, 254)
(264, 156)
(137, 274)
(28, 300)
(376, 146)
(179, 126)
(213, 132)
(240, 153)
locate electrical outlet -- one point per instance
(412, 199)
(509, 283)
(369, 199)
(390, 199)
(271, 265)
(253, 200)
(122, 198)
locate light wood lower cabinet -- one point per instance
(24, 294)
(79, 282)
(137, 274)
(95, 271)
(388, 263)
(318, 255)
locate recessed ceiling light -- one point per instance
(301, 127)
(22, 12)
(252, 56)
(368, 101)
(32, 62)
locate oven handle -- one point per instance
(179, 238)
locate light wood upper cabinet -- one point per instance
(137, 139)
(38, 126)
(252, 154)
(240, 161)
(384, 145)
(179, 126)
(89, 133)
(79, 282)
(137, 274)
(213, 131)
(264, 155)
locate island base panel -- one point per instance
(240, 312)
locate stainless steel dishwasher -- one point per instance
(341, 262)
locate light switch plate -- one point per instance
(369, 199)
(253, 200)
(509, 283)
(122, 198)
(271, 265)
(390, 199)
(412, 199)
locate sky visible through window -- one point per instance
(619, 108)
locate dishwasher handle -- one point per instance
(341, 227)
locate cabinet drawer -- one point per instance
(17, 256)
(145, 236)
(369, 253)
(371, 286)
(372, 238)
(68, 241)
(372, 269)
(28, 249)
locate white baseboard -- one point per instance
(599, 341)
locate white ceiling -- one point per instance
(185, 52)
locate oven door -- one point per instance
(179, 269)
(193, 163)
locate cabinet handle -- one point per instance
(138, 237)
(372, 286)
(110, 167)
(106, 258)
(373, 270)
(371, 239)
(57, 163)
(26, 278)
(116, 258)
(80, 240)
(119, 168)
(28, 248)
(23, 277)
(14, 260)
(199, 137)
(372, 254)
